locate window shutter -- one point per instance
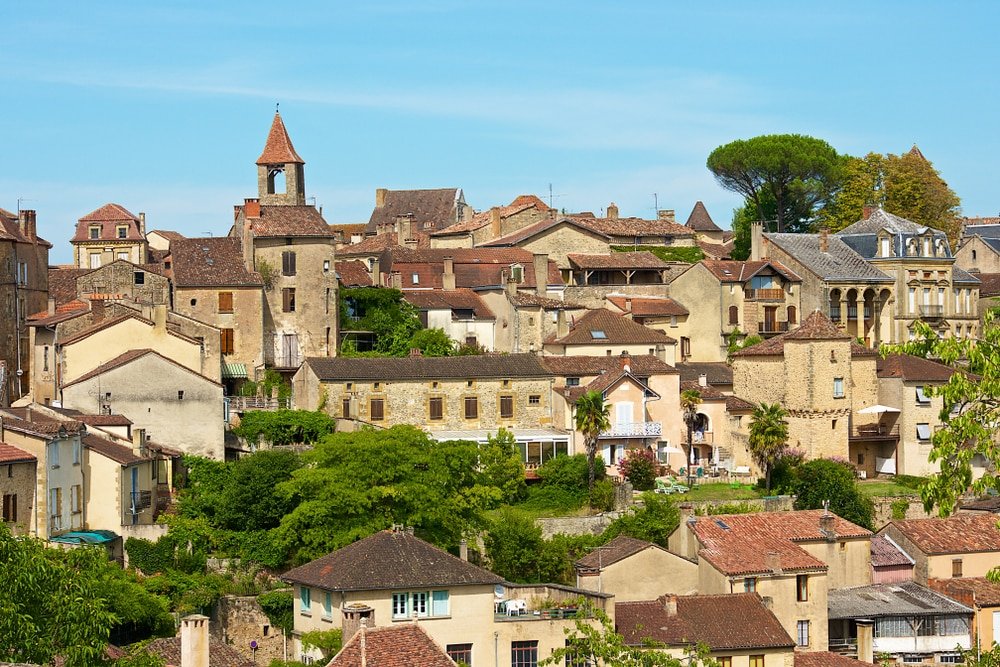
(506, 407)
(225, 302)
(288, 263)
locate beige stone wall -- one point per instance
(973, 564)
(849, 561)
(459, 330)
(593, 296)
(699, 291)
(64, 476)
(17, 302)
(19, 479)
(245, 320)
(120, 278)
(109, 251)
(644, 576)
(108, 486)
(986, 259)
(238, 620)
(558, 241)
(912, 453)
(665, 352)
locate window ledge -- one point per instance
(305, 613)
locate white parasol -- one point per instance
(876, 410)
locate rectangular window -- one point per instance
(802, 628)
(122, 232)
(525, 654)
(838, 387)
(288, 300)
(911, 299)
(95, 233)
(460, 653)
(75, 499)
(53, 454)
(802, 587)
(55, 509)
(923, 431)
(535, 399)
(228, 345)
(750, 585)
(45, 358)
(10, 507)
(419, 603)
(376, 409)
(415, 278)
(439, 603)
(471, 407)
(506, 407)
(400, 604)
(956, 567)
(435, 408)
(95, 260)
(305, 599)
(288, 263)
(328, 605)
(725, 661)
(757, 660)
(225, 302)
(346, 408)
(138, 278)
(76, 452)
(180, 394)
(922, 398)
(572, 382)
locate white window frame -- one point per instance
(802, 633)
(838, 387)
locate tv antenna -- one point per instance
(552, 196)
(656, 202)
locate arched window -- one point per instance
(734, 315)
(791, 315)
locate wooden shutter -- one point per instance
(346, 408)
(288, 299)
(228, 344)
(506, 407)
(436, 408)
(377, 409)
(225, 302)
(471, 407)
(288, 263)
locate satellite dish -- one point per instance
(498, 590)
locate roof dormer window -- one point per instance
(122, 232)
(885, 246)
(517, 273)
(927, 247)
(95, 232)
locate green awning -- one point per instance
(85, 537)
(234, 371)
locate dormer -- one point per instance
(885, 248)
(912, 247)
(517, 273)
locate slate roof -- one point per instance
(700, 220)
(913, 369)
(906, 598)
(732, 271)
(816, 326)
(434, 207)
(826, 659)
(985, 226)
(279, 221)
(617, 330)
(117, 452)
(108, 217)
(987, 504)
(879, 220)
(839, 263)
(12, 454)
(401, 645)
(617, 260)
(958, 276)
(278, 148)
(959, 533)
(220, 654)
(721, 622)
(389, 369)
(458, 299)
(353, 273)
(389, 561)
(885, 553)
(211, 262)
(742, 544)
(647, 306)
(963, 589)
(716, 372)
(616, 550)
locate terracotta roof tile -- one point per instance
(715, 250)
(737, 404)
(109, 217)
(732, 271)
(616, 550)
(482, 219)
(989, 284)
(353, 273)
(33, 422)
(427, 368)
(816, 326)
(389, 561)
(107, 448)
(602, 327)
(826, 659)
(715, 372)
(10, 230)
(459, 299)
(277, 221)
(169, 234)
(65, 311)
(642, 259)
(886, 554)
(913, 369)
(475, 268)
(94, 420)
(647, 306)
(700, 220)
(110, 213)
(62, 283)
(530, 231)
(278, 148)
(530, 299)
(427, 209)
(984, 592)
(376, 245)
(12, 454)
(211, 262)
(708, 393)
(391, 646)
(736, 621)
(582, 365)
(220, 654)
(632, 227)
(959, 533)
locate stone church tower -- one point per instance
(280, 170)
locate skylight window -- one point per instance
(598, 334)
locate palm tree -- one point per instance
(690, 400)
(592, 419)
(768, 437)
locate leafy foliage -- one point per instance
(283, 427)
(570, 473)
(653, 521)
(272, 380)
(592, 419)
(602, 495)
(279, 607)
(393, 321)
(501, 467)
(639, 468)
(768, 437)
(823, 480)
(688, 254)
(518, 552)
(328, 642)
(690, 400)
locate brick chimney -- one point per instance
(826, 525)
(142, 224)
(251, 208)
(626, 362)
(404, 225)
(824, 240)
(866, 212)
(376, 273)
(448, 278)
(194, 641)
(541, 265)
(52, 305)
(667, 215)
(757, 252)
(702, 380)
(463, 550)
(495, 231)
(97, 309)
(380, 194)
(774, 562)
(612, 211)
(26, 219)
(670, 604)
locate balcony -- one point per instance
(287, 360)
(928, 312)
(244, 403)
(634, 430)
(772, 327)
(764, 294)
(871, 432)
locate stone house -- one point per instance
(793, 558)
(109, 233)
(486, 226)
(631, 569)
(460, 313)
(719, 432)
(120, 279)
(979, 249)
(823, 378)
(528, 319)
(160, 239)
(600, 332)
(700, 222)
(425, 211)
(290, 246)
(392, 577)
(983, 597)
(212, 284)
(56, 444)
(962, 545)
(183, 409)
(655, 312)
(464, 397)
(24, 258)
(738, 630)
(18, 474)
(758, 297)
(642, 396)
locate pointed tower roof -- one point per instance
(918, 153)
(700, 220)
(279, 149)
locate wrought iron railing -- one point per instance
(634, 430)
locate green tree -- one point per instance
(432, 343)
(592, 419)
(501, 467)
(283, 427)
(800, 173)
(768, 437)
(279, 607)
(329, 642)
(690, 400)
(518, 552)
(822, 480)
(653, 521)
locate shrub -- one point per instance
(729, 508)
(824, 480)
(653, 521)
(553, 498)
(602, 496)
(279, 608)
(568, 472)
(639, 468)
(784, 473)
(899, 507)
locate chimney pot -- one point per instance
(194, 641)
(142, 224)
(251, 208)
(702, 380)
(26, 218)
(667, 215)
(670, 604)
(824, 240)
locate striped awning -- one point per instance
(234, 371)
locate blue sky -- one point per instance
(164, 107)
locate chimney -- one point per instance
(52, 305)
(138, 440)
(541, 274)
(356, 616)
(670, 604)
(194, 641)
(448, 279)
(562, 323)
(380, 194)
(415, 352)
(702, 380)
(774, 562)
(628, 304)
(251, 208)
(866, 642)
(666, 215)
(826, 525)
(495, 231)
(142, 224)
(376, 273)
(626, 362)
(552, 213)
(612, 211)
(397, 280)
(463, 550)
(756, 241)
(824, 240)
(866, 213)
(510, 286)
(160, 318)
(409, 530)
(97, 310)
(26, 218)
(404, 224)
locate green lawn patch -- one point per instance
(689, 254)
(720, 491)
(886, 488)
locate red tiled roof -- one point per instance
(353, 273)
(885, 554)
(959, 533)
(110, 213)
(647, 306)
(348, 229)
(715, 250)
(33, 422)
(459, 299)
(94, 420)
(376, 245)
(107, 448)
(62, 282)
(816, 326)
(826, 659)
(530, 299)
(737, 404)
(482, 219)
(617, 331)
(211, 262)
(732, 271)
(168, 234)
(632, 227)
(913, 369)
(715, 372)
(10, 230)
(736, 621)
(278, 148)
(220, 654)
(12, 454)
(642, 259)
(474, 267)
(700, 220)
(277, 221)
(108, 217)
(708, 393)
(989, 284)
(966, 589)
(582, 365)
(530, 231)
(65, 311)
(616, 550)
(403, 645)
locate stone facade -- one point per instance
(241, 326)
(17, 480)
(123, 280)
(238, 620)
(976, 255)
(652, 571)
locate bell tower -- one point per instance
(280, 170)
